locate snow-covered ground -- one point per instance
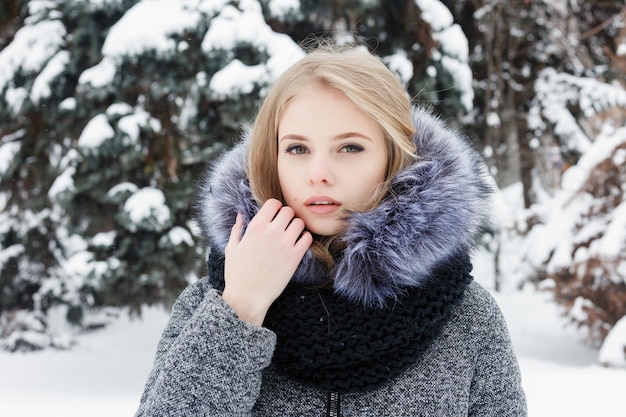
(559, 370)
(104, 374)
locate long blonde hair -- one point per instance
(367, 83)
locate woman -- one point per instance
(339, 284)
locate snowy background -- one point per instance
(72, 67)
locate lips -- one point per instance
(322, 205)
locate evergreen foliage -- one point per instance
(102, 145)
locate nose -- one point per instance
(320, 171)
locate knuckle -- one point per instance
(298, 223)
(287, 211)
(273, 204)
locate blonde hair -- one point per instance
(367, 83)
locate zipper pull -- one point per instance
(333, 405)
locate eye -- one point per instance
(352, 148)
(296, 149)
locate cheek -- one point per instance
(368, 180)
(375, 172)
(282, 174)
(286, 182)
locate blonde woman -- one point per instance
(340, 230)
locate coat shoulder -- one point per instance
(479, 312)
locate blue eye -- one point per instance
(351, 148)
(295, 149)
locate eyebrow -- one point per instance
(337, 137)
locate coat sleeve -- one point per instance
(496, 388)
(208, 362)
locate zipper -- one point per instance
(333, 405)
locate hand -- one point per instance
(260, 263)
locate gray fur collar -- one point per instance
(437, 211)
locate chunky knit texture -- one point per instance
(326, 341)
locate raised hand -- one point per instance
(260, 263)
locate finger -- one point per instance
(295, 228)
(304, 242)
(235, 232)
(284, 217)
(268, 211)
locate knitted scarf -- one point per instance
(326, 341)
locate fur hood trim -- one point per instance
(436, 211)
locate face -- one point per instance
(331, 157)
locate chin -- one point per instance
(325, 230)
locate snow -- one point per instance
(603, 147)
(104, 239)
(613, 350)
(99, 75)
(119, 109)
(131, 36)
(122, 187)
(610, 245)
(559, 91)
(233, 26)
(235, 79)
(10, 252)
(15, 98)
(146, 209)
(454, 48)
(96, 132)
(68, 104)
(41, 40)
(54, 67)
(454, 43)
(104, 374)
(131, 125)
(400, 64)
(78, 265)
(63, 183)
(435, 13)
(493, 119)
(178, 235)
(279, 8)
(99, 4)
(563, 220)
(8, 151)
(462, 75)
(35, 47)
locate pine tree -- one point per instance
(419, 40)
(104, 132)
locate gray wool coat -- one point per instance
(209, 363)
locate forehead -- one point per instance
(322, 109)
